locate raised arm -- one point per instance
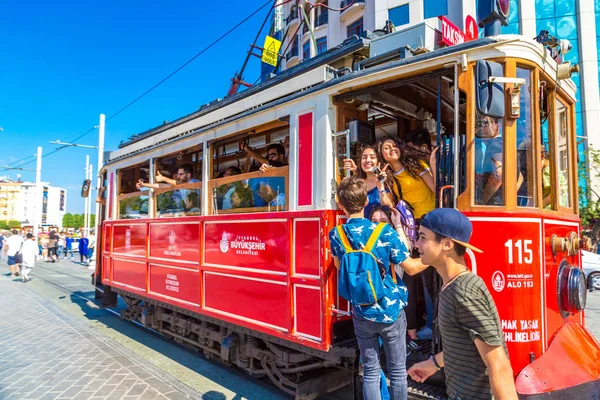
(254, 154)
(499, 370)
(160, 178)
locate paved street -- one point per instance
(55, 343)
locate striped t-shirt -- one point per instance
(467, 311)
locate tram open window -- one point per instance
(526, 160)
(133, 202)
(177, 183)
(250, 171)
(546, 155)
(425, 102)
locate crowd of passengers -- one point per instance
(255, 192)
(394, 183)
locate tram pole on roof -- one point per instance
(238, 78)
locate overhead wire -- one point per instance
(24, 160)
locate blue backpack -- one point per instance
(362, 281)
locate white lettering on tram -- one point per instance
(521, 331)
(242, 244)
(171, 283)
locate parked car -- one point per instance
(591, 266)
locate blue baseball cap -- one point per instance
(452, 224)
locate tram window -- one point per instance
(563, 153)
(546, 155)
(177, 184)
(489, 161)
(133, 202)
(251, 172)
(526, 196)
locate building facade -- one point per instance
(575, 20)
(18, 203)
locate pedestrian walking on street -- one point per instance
(61, 245)
(30, 251)
(44, 243)
(83, 249)
(475, 358)
(69, 245)
(53, 246)
(91, 246)
(1, 243)
(12, 248)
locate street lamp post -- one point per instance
(88, 172)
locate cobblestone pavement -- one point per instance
(592, 313)
(46, 354)
(55, 343)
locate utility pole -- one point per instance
(85, 212)
(89, 201)
(100, 165)
(37, 218)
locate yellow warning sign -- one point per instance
(271, 50)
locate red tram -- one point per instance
(238, 264)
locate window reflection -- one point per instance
(562, 142)
(260, 193)
(133, 207)
(525, 159)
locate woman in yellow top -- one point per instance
(415, 185)
(414, 178)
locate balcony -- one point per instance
(321, 19)
(293, 17)
(355, 9)
(291, 54)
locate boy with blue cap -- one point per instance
(475, 359)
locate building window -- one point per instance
(434, 8)
(306, 50)
(513, 20)
(355, 28)
(400, 15)
(322, 45)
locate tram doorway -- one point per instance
(427, 102)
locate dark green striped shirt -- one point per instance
(467, 311)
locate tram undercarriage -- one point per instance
(297, 370)
(301, 372)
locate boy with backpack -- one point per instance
(366, 254)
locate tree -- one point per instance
(14, 224)
(67, 221)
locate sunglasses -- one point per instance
(272, 154)
(481, 123)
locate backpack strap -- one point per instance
(374, 237)
(373, 240)
(344, 239)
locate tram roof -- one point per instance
(326, 58)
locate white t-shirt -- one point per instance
(30, 252)
(14, 244)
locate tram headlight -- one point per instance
(572, 293)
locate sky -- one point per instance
(63, 63)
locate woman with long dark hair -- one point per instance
(374, 176)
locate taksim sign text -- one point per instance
(451, 34)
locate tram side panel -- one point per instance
(266, 272)
(512, 267)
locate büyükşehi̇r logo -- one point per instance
(224, 244)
